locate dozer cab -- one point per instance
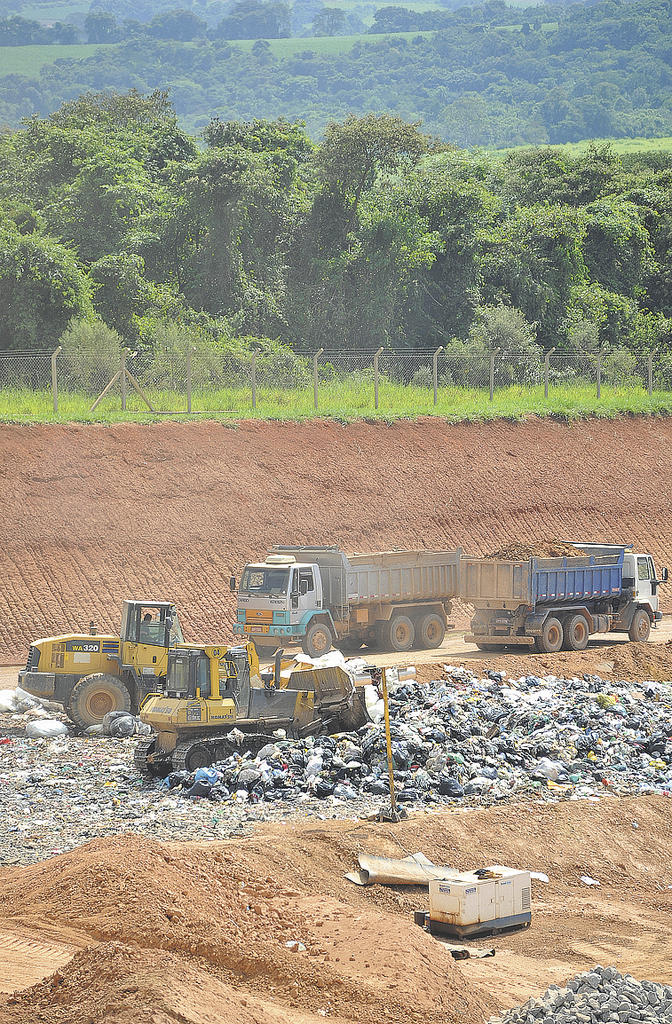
(210, 691)
(92, 673)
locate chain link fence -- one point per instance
(192, 381)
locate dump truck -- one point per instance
(93, 673)
(215, 701)
(547, 604)
(318, 596)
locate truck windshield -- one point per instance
(258, 579)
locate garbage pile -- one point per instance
(42, 719)
(598, 995)
(470, 739)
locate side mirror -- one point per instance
(664, 576)
(232, 584)
(303, 587)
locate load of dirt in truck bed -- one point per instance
(209, 932)
(517, 551)
(94, 514)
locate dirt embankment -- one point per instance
(198, 932)
(93, 514)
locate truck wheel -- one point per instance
(551, 637)
(317, 640)
(576, 634)
(95, 695)
(401, 633)
(432, 631)
(640, 627)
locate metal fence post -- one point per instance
(547, 360)
(190, 349)
(375, 375)
(650, 372)
(599, 373)
(493, 355)
(54, 377)
(122, 380)
(315, 358)
(254, 379)
(435, 372)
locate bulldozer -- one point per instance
(93, 673)
(216, 701)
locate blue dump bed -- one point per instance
(495, 583)
(569, 581)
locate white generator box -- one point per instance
(480, 902)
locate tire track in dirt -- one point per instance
(93, 514)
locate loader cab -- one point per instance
(151, 622)
(148, 630)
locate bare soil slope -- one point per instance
(198, 932)
(93, 514)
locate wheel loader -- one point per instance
(216, 701)
(93, 673)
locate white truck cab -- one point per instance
(277, 598)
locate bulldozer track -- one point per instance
(218, 747)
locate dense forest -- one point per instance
(117, 226)
(580, 71)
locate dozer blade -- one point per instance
(337, 700)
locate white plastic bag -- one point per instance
(46, 729)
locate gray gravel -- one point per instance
(596, 996)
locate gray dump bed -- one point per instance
(384, 576)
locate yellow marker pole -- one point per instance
(390, 763)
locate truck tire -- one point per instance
(640, 627)
(577, 633)
(431, 631)
(93, 696)
(400, 633)
(551, 637)
(318, 640)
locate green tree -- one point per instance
(41, 289)
(330, 21)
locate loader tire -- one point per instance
(430, 631)
(318, 640)
(640, 627)
(94, 696)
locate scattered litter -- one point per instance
(295, 946)
(121, 723)
(539, 876)
(587, 880)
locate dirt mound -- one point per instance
(228, 919)
(197, 932)
(540, 549)
(637, 662)
(94, 514)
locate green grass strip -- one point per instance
(356, 402)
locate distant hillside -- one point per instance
(567, 74)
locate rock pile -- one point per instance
(596, 996)
(469, 739)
